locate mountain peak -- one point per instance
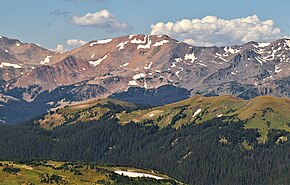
(103, 67)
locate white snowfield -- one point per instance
(287, 42)
(262, 45)
(131, 36)
(190, 57)
(101, 42)
(46, 60)
(151, 115)
(97, 62)
(138, 76)
(122, 45)
(124, 65)
(220, 115)
(161, 43)
(6, 64)
(138, 41)
(148, 66)
(196, 112)
(231, 50)
(132, 82)
(146, 46)
(137, 174)
(277, 69)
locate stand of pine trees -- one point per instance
(194, 154)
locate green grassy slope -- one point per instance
(52, 172)
(84, 112)
(262, 113)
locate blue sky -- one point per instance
(51, 22)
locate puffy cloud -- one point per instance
(59, 49)
(70, 44)
(75, 42)
(101, 19)
(211, 30)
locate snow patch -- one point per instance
(277, 69)
(161, 43)
(190, 57)
(262, 45)
(124, 65)
(6, 64)
(178, 59)
(46, 60)
(148, 66)
(137, 174)
(18, 44)
(287, 43)
(50, 103)
(121, 45)
(97, 62)
(196, 112)
(231, 50)
(132, 82)
(222, 59)
(145, 85)
(146, 46)
(138, 41)
(259, 59)
(101, 42)
(6, 51)
(173, 65)
(137, 76)
(202, 64)
(93, 55)
(220, 115)
(151, 115)
(131, 36)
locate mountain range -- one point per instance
(34, 80)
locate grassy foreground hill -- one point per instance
(262, 113)
(84, 112)
(201, 140)
(53, 172)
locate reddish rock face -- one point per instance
(149, 62)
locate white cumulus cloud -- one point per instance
(212, 30)
(69, 44)
(75, 42)
(59, 49)
(101, 19)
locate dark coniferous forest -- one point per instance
(210, 153)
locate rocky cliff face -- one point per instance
(104, 67)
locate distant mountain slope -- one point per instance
(160, 96)
(115, 65)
